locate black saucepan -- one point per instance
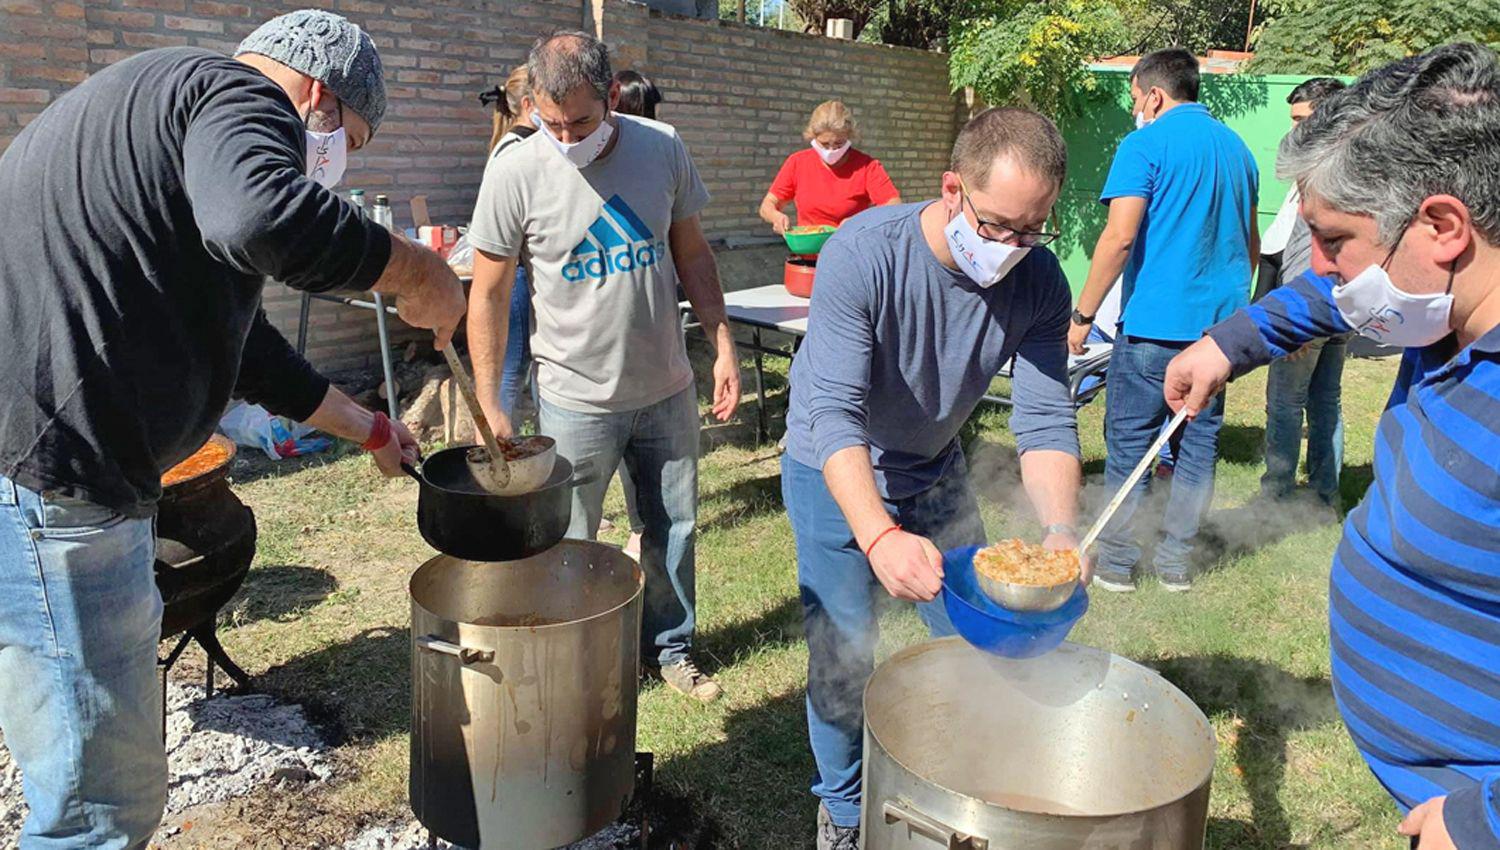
(460, 518)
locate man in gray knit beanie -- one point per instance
(330, 49)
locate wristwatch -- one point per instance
(1061, 528)
(1080, 319)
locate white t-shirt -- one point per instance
(607, 336)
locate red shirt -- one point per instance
(827, 195)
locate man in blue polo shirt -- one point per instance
(1181, 195)
(1399, 188)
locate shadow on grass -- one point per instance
(728, 644)
(1260, 523)
(250, 465)
(1266, 705)
(1353, 482)
(1242, 443)
(279, 593)
(741, 501)
(357, 690)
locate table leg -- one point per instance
(302, 323)
(760, 390)
(383, 331)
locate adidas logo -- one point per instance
(617, 242)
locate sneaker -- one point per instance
(1174, 581)
(685, 678)
(1113, 582)
(831, 837)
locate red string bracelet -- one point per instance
(879, 537)
(380, 433)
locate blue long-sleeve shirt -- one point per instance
(1414, 594)
(900, 349)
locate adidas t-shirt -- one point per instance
(606, 335)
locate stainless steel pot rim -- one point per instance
(640, 587)
(1098, 816)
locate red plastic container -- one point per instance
(798, 276)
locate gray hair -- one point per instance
(1427, 125)
(567, 59)
(1029, 136)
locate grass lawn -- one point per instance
(323, 621)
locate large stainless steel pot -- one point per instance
(524, 695)
(1075, 750)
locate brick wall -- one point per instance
(740, 96)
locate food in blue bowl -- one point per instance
(994, 629)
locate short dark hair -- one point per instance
(1314, 90)
(1028, 136)
(638, 95)
(1173, 70)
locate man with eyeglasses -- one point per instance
(916, 308)
(1181, 193)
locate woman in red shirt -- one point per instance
(831, 181)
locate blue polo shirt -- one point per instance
(1190, 265)
(1414, 593)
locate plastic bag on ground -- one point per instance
(253, 426)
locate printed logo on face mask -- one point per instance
(618, 242)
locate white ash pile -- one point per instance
(217, 749)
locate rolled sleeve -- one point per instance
(840, 339)
(274, 376)
(1043, 417)
(1472, 816)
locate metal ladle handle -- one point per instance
(1140, 469)
(501, 469)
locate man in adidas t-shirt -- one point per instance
(607, 206)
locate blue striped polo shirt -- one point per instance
(1414, 593)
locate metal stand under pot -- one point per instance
(524, 680)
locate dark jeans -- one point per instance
(1311, 383)
(839, 596)
(1133, 418)
(517, 366)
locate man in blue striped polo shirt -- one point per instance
(1400, 182)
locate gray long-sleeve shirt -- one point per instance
(139, 216)
(900, 349)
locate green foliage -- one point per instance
(1355, 36)
(1035, 53)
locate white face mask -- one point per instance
(832, 155)
(985, 262)
(1373, 305)
(327, 156)
(1141, 120)
(583, 151)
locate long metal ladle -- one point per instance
(493, 476)
(1140, 469)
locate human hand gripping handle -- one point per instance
(907, 565)
(1195, 376)
(428, 292)
(390, 444)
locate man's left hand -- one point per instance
(726, 384)
(401, 447)
(1426, 823)
(1078, 336)
(1060, 542)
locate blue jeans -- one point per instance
(1134, 413)
(517, 365)
(659, 445)
(1096, 335)
(839, 596)
(1313, 383)
(80, 618)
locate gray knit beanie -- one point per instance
(326, 47)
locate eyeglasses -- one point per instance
(996, 232)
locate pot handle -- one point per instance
(583, 473)
(938, 831)
(411, 470)
(465, 655)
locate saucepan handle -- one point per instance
(896, 812)
(584, 472)
(412, 470)
(465, 655)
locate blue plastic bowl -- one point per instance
(998, 630)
